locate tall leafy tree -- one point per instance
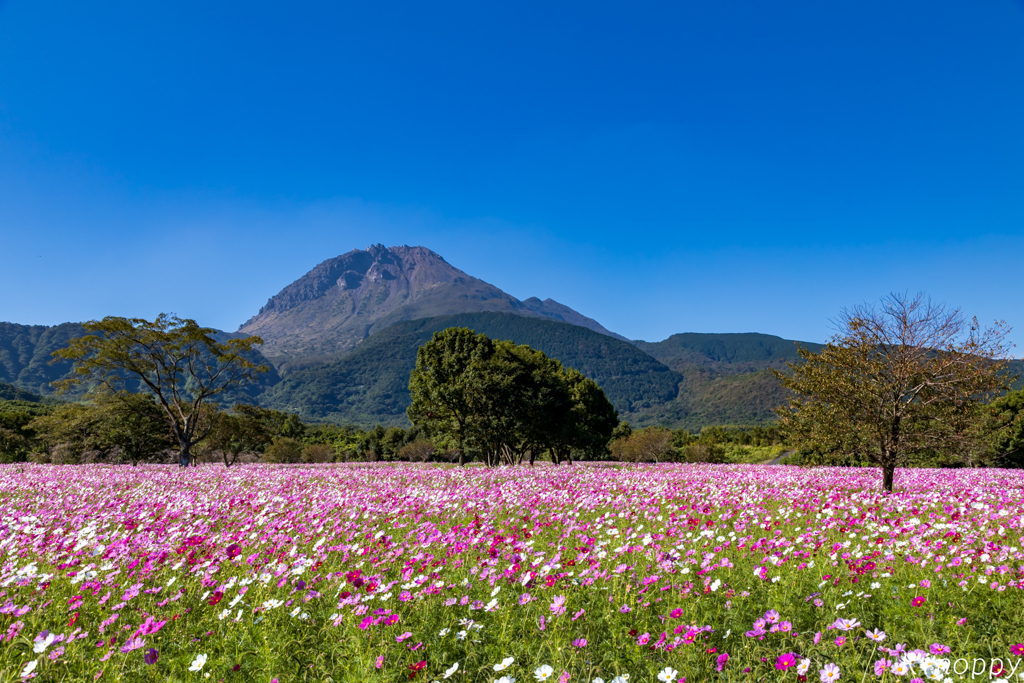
(898, 380)
(591, 421)
(173, 359)
(246, 429)
(444, 385)
(503, 402)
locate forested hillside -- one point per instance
(370, 384)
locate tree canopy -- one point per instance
(898, 380)
(504, 402)
(176, 361)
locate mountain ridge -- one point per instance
(343, 300)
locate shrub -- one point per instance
(283, 450)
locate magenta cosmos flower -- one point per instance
(1018, 649)
(785, 661)
(918, 601)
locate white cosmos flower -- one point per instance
(41, 645)
(444, 632)
(505, 679)
(543, 672)
(451, 670)
(197, 663)
(505, 663)
(29, 668)
(624, 678)
(668, 674)
(224, 615)
(803, 666)
(295, 612)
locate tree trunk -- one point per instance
(184, 455)
(887, 476)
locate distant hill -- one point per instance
(725, 353)
(725, 379)
(370, 385)
(343, 300)
(9, 392)
(25, 354)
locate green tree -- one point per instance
(445, 385)
(1005, 426)
(501, 402)
(589, 425)
(175, 360)
(283, 450)
(895, 382)
(131, 426)
(651, 444)
(246, 429)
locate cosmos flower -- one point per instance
(828, 673)
(668, 675)
(875, 635)
(785, 661)
(504, 664)
(543, 672)
(197, 663)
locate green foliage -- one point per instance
(897, 383)
(127, 428)
(652, 444)
(283, 449)
(370, 385)
(175, 360)
(1005, 424)
(503, 402)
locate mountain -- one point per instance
(9, 392)
(344, 300)
(725, 378)
(25, 355)
(725, 354)
(370, 384)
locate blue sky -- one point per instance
(712, 167)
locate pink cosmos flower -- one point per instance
(642, 640)
(721, 661)
(785, 661)
(557, 606)
(1018, 649)
(380, 662)
(881, 666)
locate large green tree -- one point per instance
(445, 384)
(503, 402)
(180, 364)
(898, 380)
(588, 428)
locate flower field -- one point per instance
(583, 573)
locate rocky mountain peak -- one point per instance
(344, 299)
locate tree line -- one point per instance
(906, 383)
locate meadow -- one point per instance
(612, 573)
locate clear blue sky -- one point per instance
(686, 166)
